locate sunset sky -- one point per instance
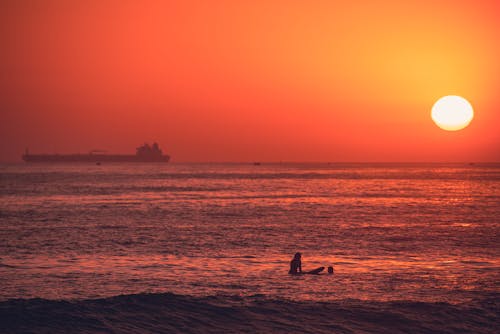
(249, 80)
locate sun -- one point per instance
(452, 113)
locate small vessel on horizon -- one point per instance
(144, 153)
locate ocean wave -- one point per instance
(170, 313)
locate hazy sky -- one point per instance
(249, 80)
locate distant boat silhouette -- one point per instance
(144, 153)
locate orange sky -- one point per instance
(249, 80)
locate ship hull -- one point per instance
(93, 158)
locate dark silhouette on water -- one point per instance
(296, 266)
(144, 153)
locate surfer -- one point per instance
(296, 266)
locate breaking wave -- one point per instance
(170, 313)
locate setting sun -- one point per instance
(452, 113)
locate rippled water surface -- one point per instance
(427, 232)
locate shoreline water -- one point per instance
(171, 313)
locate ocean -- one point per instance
(201, 248)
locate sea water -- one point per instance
(413, 232)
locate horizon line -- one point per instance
(274, 162)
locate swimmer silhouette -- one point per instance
(296, 266)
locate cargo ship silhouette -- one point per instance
(144, 153)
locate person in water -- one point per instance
(296, 266)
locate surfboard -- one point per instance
(315, 271)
